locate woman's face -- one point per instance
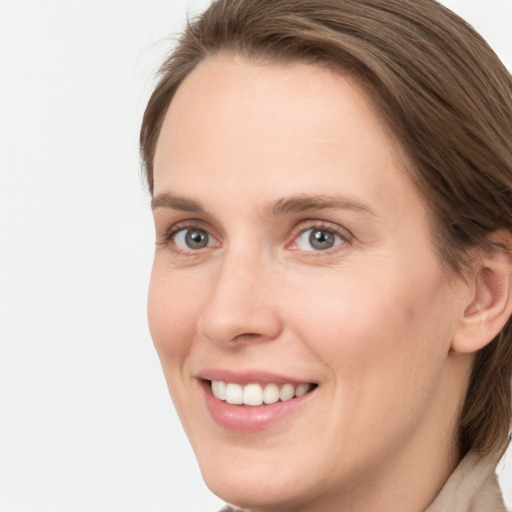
(294, 256)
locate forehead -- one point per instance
(233, 120)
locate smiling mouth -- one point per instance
(257, 394)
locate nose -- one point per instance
(241, 307)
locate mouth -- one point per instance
(251, 401)
(258, 394)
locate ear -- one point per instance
(490, 300)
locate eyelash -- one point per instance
(170, 234)
(343, 234)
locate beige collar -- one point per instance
(473, 487)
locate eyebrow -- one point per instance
(283, 206)
(176, 203)
(304, 202)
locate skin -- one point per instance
(371, 320)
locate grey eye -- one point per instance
(321, 239)
(192, 238)
(317, 240)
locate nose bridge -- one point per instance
(239, 268)
(240, 305)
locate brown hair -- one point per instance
(445, 94)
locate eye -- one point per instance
(192, 239)
(317, 239)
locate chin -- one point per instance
(256, 478)
(253, 490)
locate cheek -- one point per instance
(384, 344)
(172, 310)
(374, 324)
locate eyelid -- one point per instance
(322, 225)
(169, 234)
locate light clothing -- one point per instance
(472, 487)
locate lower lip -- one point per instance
(245, 418)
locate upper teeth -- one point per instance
(255, 394)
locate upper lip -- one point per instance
(248, 377)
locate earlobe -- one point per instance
(490, 303)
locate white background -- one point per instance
(85, 419)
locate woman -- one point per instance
(331, 183)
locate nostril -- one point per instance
(249, 336)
